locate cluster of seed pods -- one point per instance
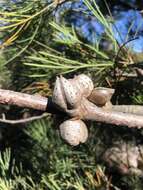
(68, 95)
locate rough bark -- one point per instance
(86, 111)
(23, 100)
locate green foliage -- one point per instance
(138, 99)
(52, 163)
(4, 73)
(48, 163)
(94, 8)
(87, 57)
(10, 178)
(47, 60)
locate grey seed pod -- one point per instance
(58, 95)
(68, 93)
(84, 84)
(74, 132)
(100, 95)
(71, 94)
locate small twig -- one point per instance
(121, 48)
(26, 120)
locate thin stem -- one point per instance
(26, 120)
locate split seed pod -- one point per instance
(64, 94)
(68, 93)
(83, 84)
(58, 95)
(71, 94)
(100, 95)
(74, 132)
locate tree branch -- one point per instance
(87, 110)
(95, 113)
(23, 100)
(134, 109)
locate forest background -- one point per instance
(41, 39)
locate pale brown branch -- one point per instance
(87, 110)
(134, 109)
(23, 100)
